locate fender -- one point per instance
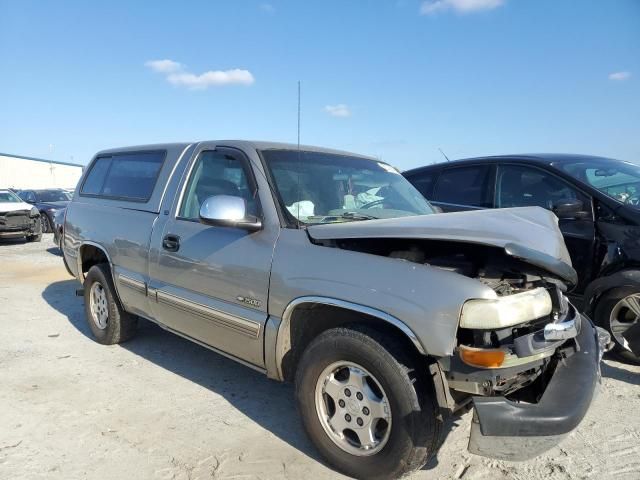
(622, 278)
(81, 276)
(283, 340)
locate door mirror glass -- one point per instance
(569, 209)
(228, 211)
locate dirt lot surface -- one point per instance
(160, 407)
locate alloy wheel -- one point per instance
(353, 408)
(98, 305)
(624, 314)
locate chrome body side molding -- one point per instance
(237, 324)
(133, 284)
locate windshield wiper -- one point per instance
(357, 216)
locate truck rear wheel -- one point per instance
(107, 319)
(370, 412)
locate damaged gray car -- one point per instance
(328, 269)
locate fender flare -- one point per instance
(81, 276)
(283, 339)
(623, 278)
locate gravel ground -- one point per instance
(160, 407)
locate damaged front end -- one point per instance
(523, 356)
(526, 360)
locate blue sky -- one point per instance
(394, 79)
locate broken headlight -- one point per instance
(502, 312)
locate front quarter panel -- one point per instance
(426, 299)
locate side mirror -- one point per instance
(228, 211)
(570, 209)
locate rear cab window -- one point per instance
(129, 176)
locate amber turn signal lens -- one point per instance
(480, 357)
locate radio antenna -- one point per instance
(299, 162)
(443, 154)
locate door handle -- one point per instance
(171, 243)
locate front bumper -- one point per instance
(17, 224)
(510, 430)
(18, 230)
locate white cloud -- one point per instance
(164, 66)
(430, 7)
(339, 110)
(176, 74)
(620, 76)
(267, 8)
(212, 78)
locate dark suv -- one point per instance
(597, 201)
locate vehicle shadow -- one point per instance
(617, 373)
(13, 241)
(269, 403)
(54, 251)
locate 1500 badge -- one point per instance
(252, 302)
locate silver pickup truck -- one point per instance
(330, 270)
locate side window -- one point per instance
(216, 173)
(96, 176)
(131, 176)
(521, 186)
(424, 183)
(465, 186)
(28, 196)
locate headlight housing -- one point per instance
(502, 312)
(34, 212)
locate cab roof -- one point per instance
(242, 144)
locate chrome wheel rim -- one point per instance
(98, 305)
(353, 408)
(624, 314)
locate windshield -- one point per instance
(326, 188)
(617, 179)
(9, 197)
(52, 196)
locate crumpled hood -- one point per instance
(528, 233)
(14, 206)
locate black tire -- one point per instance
(121, 326)
(45, 221)
(415, 424)
(605, 306)
(34, 238)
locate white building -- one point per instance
(34, 173)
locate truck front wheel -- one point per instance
(366, 405)
(108, 321)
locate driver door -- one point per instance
(211, 282)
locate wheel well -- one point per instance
(309, 320)
(594, 292)
(92, 255)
